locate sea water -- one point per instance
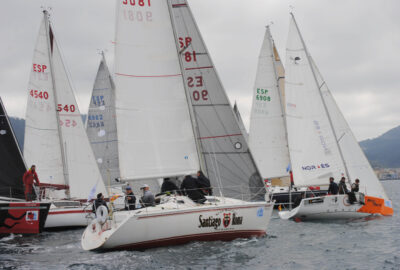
(369, 243)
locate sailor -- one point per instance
(169, 186)
(148, 197)
(130, 199)
(204, 183)
(333, 187)
(190, 188)
(28, 178)
(342, 186)
(98, 202)
(355, 187)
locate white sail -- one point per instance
(101, 126)
(42, 142)
(356, 162)
(314, 152)
(267, 136)
(226, 158)
(83, 172)
(67, 142)
(155, 135)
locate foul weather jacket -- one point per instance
(28, 178)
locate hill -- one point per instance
(384, 151)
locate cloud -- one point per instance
(354, 43)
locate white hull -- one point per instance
(68, 216)
(179, 221)
(324, 208)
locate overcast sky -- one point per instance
(355, 44)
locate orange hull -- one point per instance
(374, 205)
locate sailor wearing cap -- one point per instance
(130, 199)
(148, 197)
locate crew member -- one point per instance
(342, 186)
(130, 199)
(99, 202)
(28, 178)
(355, 187)
(190, 188)
(148, 197)
(169, 186)
(333, 187)
(204, 183)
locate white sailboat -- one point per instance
(55, 138)
(268, 133)
(173, 118)
(101, 126)
(321, 143)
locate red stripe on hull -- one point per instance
(200, 211)
(69, 212)
(179, 240)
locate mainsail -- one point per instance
(12, 165)
(357, 164)
(101, 126)
(267, 136)
(314, 152)
(225, 155)
(155, 134)
(55, 138)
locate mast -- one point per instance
(49, 47)
(323, 100)
(195, 127)
(278, 78)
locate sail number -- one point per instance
(39, 68)
(197, 81)
(68, 123)
(184, 42)
(39, 94)
(65, 108)
(262, 95)
(138, 16)
(140, 3)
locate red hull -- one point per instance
(217, 236)
(23, 217)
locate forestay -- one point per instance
(101, 126)
(42, 140)
(12, 165)
(313, 148)
(356, 162)
(155, 135)
(267, 136)
(226, 158)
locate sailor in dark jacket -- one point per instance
(130, 199)
(342, 186)
(169, 186)
(204, 183)
(98, 202)
(190, 188)
(333, 187)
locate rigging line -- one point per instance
(149, 76)
(50, 129)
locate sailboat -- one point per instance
(173, 118)
(101, 126)
(321, 143)
(268, 134)
(55, 138)
(16, 214)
